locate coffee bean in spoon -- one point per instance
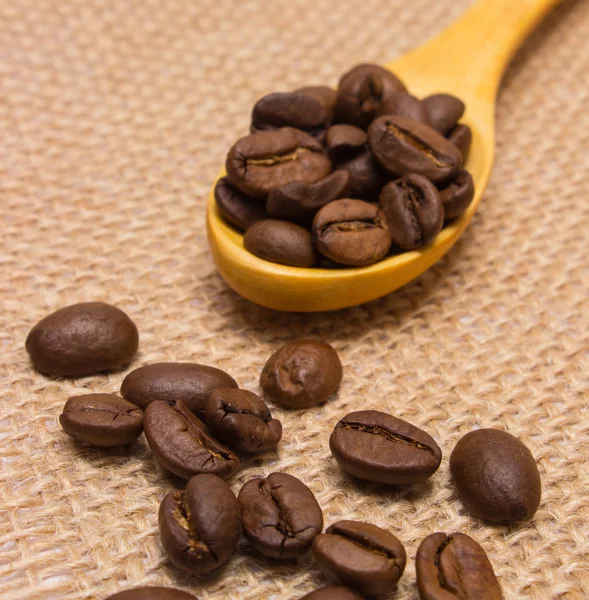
(444, 111)
(461, 137)
(237, 208)
(402, 104)
(326, 95)
(367, 177)
(457, 195)
(333, 592)
(152, 593)
(345, 141)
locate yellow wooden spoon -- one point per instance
(466, 60)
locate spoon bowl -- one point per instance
(466, 60)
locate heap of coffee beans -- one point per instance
(345, 177)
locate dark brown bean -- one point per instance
(403, 146)
(242, 420)
(280, 515)
(102, 420)
(457, 195)
(461, 137)
(190, 383)
(182, 444)
(200, 526)
(264, 161)
(376, 446)
(333, 592)
(302, 374)
(345, 141)
(237, 208)
(152, 593)
(496, 476)
(444, 111)
(351, 232)
(82, 339)
(413, 210)
(281, 242)
(454, 567)
(361, 555)
(367, 177)
(326, 95)
(404, 105)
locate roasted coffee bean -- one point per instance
(190, 383)
(102, 420)
(290, 109)
(444, 111)
(461, 137)
(403, 146)
(363, 556)
(299, 201)
(454, 567)
(242, 420)
(280, 515)
(496, 476)
(413, 209)
(82, 339)
(152, 593)
(367, 177)
(237, 208)
(333, 592)
(457, 195)
(264, 161)
(404, 105)
(200, 526)
(326, 95)
(376, 446)
(351, 232)
(361, 91)
(281, 242)
(345, 141)
(182, 444)
(302, 374)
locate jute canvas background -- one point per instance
(114, 118)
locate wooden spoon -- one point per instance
(467, 60)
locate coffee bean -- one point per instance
(82, 339)
(291, 109)
(326, 95)
(366, 176)
(351, 232)
(182, 444)
(376, 446)
(281, 242)
(190, 383)
(413, 210)
(302, 374)
(299, 201)
(242, 420)
(461, 137)
(457, 195)
(345, 141)
(444, 111)
(102, 420)
(280, 515)
(361, 91)
(403, 146)
(454, 567)
(237, 208)
(496, 476)
(360, 555)
(333, 592)
(200, 526)
(152, 593)
(264, 161)
(404, 105)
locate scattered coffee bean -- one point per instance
(360, 555)
(351, 232)
(496, 476)
(102, 420)
(403, 146)
(200, 526)
(457, 195)
(152, 593)
(326, 95)
(333, 592)
(461, 137)
(413, 210)
(280, 515)
(237, 208)
(454, 567)
(264, 161)
(444, 111)
(404, 105)
(190, 383)
(376, 446)
(345, 141)
(82, 339)
(361, 91)
(281, 242)
(182, 444)
(302, 374)
(242, 420)
(298, 201)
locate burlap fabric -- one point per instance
(114, 119)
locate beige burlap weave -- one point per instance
(114, 119)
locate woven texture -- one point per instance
(115, 116)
